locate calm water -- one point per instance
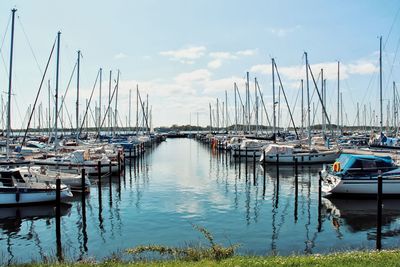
(182, 183)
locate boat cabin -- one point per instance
(364, 165)
(9, 178)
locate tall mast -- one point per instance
(10, 85)
(236, 113)
(256, 97)
(394, 107)
(322, 105)
(116, 104)
(129, 115)
(380, 82)
(56, 95)
(77, 94)
(137, 109)
(248, 102)
(101, 80)
(147, 113)
(217, 115)
(226, 111)
(302, 106)
(338, 97)
(273, 100)
(308, 102)
(49, 114)
(109, 103)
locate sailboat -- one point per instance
(289, 154)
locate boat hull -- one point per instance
(25, 196)
(302, 158)
(361, 186)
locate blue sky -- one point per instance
(185, 54)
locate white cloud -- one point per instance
(194, 76)
(247, 52)
(283, 32)
(185, 55)
(222, 55)
(297, 72)
(215, 64)
(120, 55)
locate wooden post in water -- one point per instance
(98, 176)
(319, 201)
(254, 168)
(119, 163)
(379, 215)
(130, 152)
(58, 219)
(83, 186)
(277, 167)
(246, 160)
(296, 188)
(264, 172)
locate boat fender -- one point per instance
(336, 166)
(17, 195)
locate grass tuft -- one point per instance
(190, 253)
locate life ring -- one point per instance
(336, 166)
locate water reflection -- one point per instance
(11, 218)
(183, 182)
(359, 215)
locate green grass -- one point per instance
(367, 258)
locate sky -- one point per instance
(185, 54)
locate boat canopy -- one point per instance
(274, 149)
(365, 165)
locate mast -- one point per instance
(109, 103)
(236, 113)
(99, 123)
(248, 102)
(137, 109)
(302, 106)
(380, 83)
(338, 97)
(49, 114)
(56, 95)
(217, 115)
(394, 107)
(77, 94)
(273, 101)
(256, 111)
(226, 111)
(10, 85)
(308, 102)
(116, 104)
(129, 115)
(322, 105)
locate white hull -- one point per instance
(31, 196)
(90, 169)
(303, 158)
(250, 153)
(368, 186)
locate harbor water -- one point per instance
(183, 183)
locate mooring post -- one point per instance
(58, 219)
(130, 152)
(254, 168)
(296, 188)
(119, 163)
(319, 201)
(246, 159)
(240, 156)
(83, 186)
(99, 176)
(379, 215)
(277, 167)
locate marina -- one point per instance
(183, 182)
(178, 138)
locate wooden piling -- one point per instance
(58, 219)
(379, 215)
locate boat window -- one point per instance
(6, 181)
(18, 177)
